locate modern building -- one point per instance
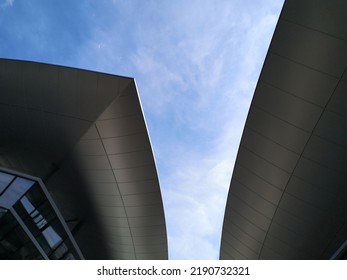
(288, 192)
(77, 174)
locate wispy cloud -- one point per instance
(216, 67)
(7, 3)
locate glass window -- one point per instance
(22, 183)
(59, 252)
(27, 205)
(17, 189)
(14, 243)
(52, 237)
(7, 224)
(65, 251)
(35, 215)
(36, 196)
(27, 199)
(5, 179)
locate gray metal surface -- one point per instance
(84, 134)
(288, 195)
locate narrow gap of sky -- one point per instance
(196, 64)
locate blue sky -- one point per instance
(196, 64)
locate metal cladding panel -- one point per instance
(330, 122)
(84, 133)
(270, 150)
(140, 232)
(256, 184)
(239, 233)
(141, 199)
(132, 159)
(146, 221)
(44, 114)
(242, 222)
(289, 108)
(303, 82)
(338, 101)
(287, 197)
(282, 132)
(138, 187)
(126, 144)
(328, 58)
(311, 194)
(124, 159)
(326, 17)
(253, 199)
(268, 172)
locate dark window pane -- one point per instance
(15, 244)
(36, 196)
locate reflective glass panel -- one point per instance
(14, 242)
(5, 179)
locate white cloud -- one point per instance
(7, 3)
(223, 75)
(160, 80)
(194, 203)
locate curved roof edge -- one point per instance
(287, 196)
(84, 134)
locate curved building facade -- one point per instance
(79, 141)
(288, 194)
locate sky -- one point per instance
(196, 64)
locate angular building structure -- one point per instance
(288, 192)
(77, 174)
